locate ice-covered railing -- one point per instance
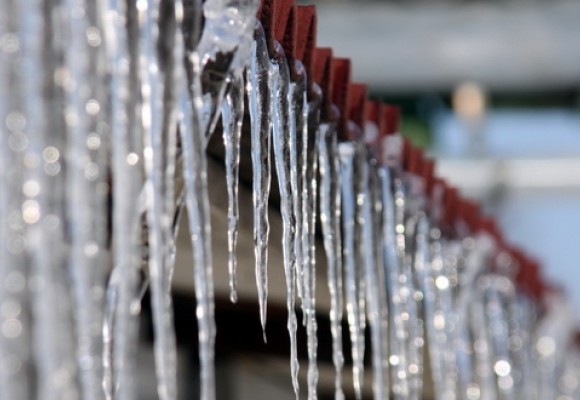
(106, 110)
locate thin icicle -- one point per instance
(260, 126)
(295, 104)
(281, 116)
(365, 249)
(305, 166)
(330, 205)
(309, 127)
(199, 225)
(421, 265)
(382, 292)
(347, 153)
(296, 107)
(232, 117)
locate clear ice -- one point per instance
(258, 81)
(309, 128)
(347, 154)
(197, 203)
(330, 206)
(281, 133)
(232, 117)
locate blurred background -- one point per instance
(492, 90)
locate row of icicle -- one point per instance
(106, 110)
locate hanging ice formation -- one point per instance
(261, 127)
(106, 109)
(330, 212)
(282, 113)
(232, 117)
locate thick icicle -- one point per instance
(232, 116)
(170, 58)
(120, 325)
(260, 127)
(86, 177)
(199, 225)
(330, 205)
(158, 120)
(281, 117)
(347, 154)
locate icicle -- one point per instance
(406, 218)
(296, 106)
(330, 205)
(383, 315)
(86, 178)
(421, 266)
(158, 119)
(197, 201)
(374, 316)
(170, 59)
(497, 294)
(232, 116)
(120, 326)
(392, 268)
(373, 283)
(347, 153)
(303, 191)
(281, 116)
(309, 128)
(439, 314)
(260, 126)
(470, 317)
(364, 250)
